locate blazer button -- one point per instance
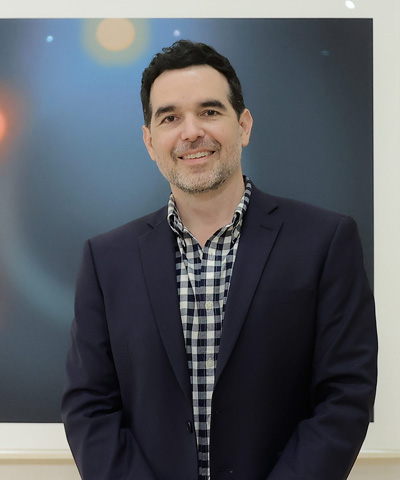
(189, 427)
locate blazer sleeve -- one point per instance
(102, 445)
(325, 445)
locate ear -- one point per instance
(246, 123)
(148, 141)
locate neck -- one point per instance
(204, 213)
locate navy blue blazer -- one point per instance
(296, 372)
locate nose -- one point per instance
(191, 129)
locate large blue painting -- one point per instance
(73, 164)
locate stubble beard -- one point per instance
(194, 179)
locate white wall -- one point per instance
(375, 469)
(38, 470)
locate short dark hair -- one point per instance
(182, 54)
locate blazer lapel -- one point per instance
(259, 233)
(158, 257)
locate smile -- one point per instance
(196, 155)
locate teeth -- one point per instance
(196, 155)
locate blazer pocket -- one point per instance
(284, 313)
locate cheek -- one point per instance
(163, 145)
(229, 135)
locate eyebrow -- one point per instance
(213, 103)
(162, 110)
(206, 104)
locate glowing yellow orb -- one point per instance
(115, 34)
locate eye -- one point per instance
(210, 113)
(169, 119)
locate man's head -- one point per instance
(195, 126)
(182, 54)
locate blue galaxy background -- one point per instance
(73, 164)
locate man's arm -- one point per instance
(325, 446)
(102, 444)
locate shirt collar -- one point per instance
(178, 227)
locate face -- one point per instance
(195, 135)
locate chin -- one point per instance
(200, 187)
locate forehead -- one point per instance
(192, 83)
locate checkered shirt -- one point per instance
(203, 280)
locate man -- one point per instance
(230, 334)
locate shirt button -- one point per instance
(209, 305)
(210, 362)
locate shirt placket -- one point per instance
(207, 274)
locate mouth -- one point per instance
(197, 155)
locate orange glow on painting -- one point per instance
(115, 34)
(3, 125)
(13, 119)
